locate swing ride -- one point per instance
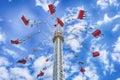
(58, 39)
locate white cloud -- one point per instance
(102, 3)
(112, 69)
(117, 45)
(76, 27)
(49, 73)
(91, 72)
(4, 74)
(106, 3)
(56, 3)
(44, 3)
(2, 38)
(71, 14)
(116, 28)
(20, 47)
(10, 52)
(4, 61)
(103, 58)
(107, 19)
(67, 63)
(31, 56)
(118, 79)
(67, 58)
(73, 31)
(74, 43)
(116, 57)
(74, 68)
(20, 74)
(40, 63)
(79, 77)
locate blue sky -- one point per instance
(99, 14)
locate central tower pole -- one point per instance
(58, 61)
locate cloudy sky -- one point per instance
(37, 45)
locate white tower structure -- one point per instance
(58, 59)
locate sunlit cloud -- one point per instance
(106, 3)
(107, 19)
(116, 28)
(44, 3)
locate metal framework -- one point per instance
(58, 61)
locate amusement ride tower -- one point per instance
(58, 61)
